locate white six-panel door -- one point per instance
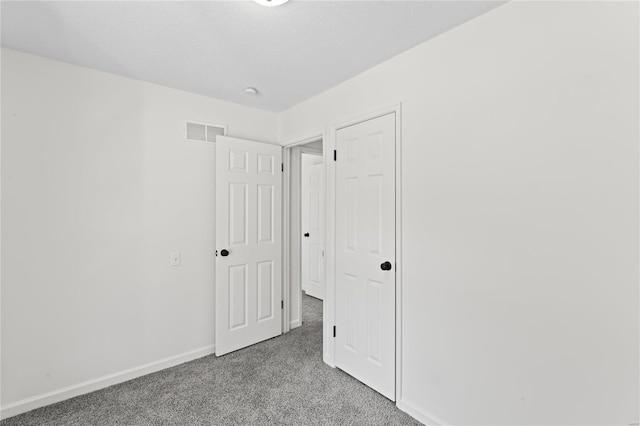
(365, 240)
(248, 242)
(313, 226)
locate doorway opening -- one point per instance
(304, 224)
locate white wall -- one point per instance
(520, 212)
(98, 188)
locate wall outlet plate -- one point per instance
(175, 258)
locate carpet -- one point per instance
(281, 381)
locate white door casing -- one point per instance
(248, 287)
(313, 282)
(365, 239)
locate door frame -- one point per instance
(329, 137)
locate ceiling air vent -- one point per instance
(204, 132)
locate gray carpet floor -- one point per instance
(280, 381)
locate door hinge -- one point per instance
(282, 166)
(335, 155)
(334, 331)
(282, 304)
(216, 253)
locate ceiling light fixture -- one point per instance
(250, 90)
(271, 2)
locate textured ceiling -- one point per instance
(289, 53)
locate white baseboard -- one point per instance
(419, 414)
(28, 404)
(295, 324)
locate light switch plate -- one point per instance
(175, 258)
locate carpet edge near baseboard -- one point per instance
(68, 392)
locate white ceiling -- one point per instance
(217, 48)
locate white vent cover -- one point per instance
(204, 132)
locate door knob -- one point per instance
(224, 252)
(386, 266)
(306, 234)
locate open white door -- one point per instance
(248, 243)
(313, 225)
(365, 253)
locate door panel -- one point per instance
(266, 209)
(238, 297)
(265, 291)
(312, 259)
(365, 239)
(248, 227)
